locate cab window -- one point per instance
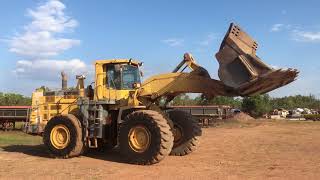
(113, 77)
(130, 75)
(122, 76)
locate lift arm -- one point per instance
(241, 73)
(187, 61)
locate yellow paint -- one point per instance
(46, 107)
(60, 136)
(116, 61)
(103, 92)
(139, 139)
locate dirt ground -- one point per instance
(268, 150)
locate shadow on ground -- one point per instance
(112, 155)
(32, 150)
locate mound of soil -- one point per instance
(242, 117)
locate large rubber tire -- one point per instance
(190, 133)
(75, 147)
(161, 137)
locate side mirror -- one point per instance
(141, 73)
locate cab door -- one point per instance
(112, 81)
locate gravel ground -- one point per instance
(266, 150)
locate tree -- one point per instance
(257, 105)
(291, 102)
(12, 99)
(219, 100)
(183, 100)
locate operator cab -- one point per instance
(121, 74)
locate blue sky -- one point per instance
(39, 38)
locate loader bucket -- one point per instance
(241, 69)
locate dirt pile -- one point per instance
(242, 117)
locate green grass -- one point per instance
(19, 125)
(18, 138)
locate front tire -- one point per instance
(145, 137)
(63, 136)
(187, 132)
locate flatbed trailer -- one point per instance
(10, 115)
(206, 115)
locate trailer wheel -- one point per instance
(145, 137)
(187, 132)
(63, 136)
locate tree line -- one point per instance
(12, 99)
(254, 105)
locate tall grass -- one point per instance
(18, 138)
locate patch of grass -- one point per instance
(18, 138)
(19, 125)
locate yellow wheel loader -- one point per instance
(118, 110)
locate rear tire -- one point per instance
(187, 132)
(156, 139)
(63, 136)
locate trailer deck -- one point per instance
(206, 115)
(9, 115)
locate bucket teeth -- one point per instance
(268, 82)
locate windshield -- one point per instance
(130, 75)
(122, 76)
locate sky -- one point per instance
(40, 38)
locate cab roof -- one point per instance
(117, 61)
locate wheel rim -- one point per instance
(139, 139)
(60, 136)
(178, 134)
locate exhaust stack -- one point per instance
(64, 82)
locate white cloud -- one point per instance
(40, 37)
(40, 44)
(50, 17)
(49, 69)
(173, 42)
(41, 41)
(306, 36)
(298, 33)
(208, 39)
(277, 27)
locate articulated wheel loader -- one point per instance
(117, 110)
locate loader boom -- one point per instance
(241, 72)
(187, 61)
